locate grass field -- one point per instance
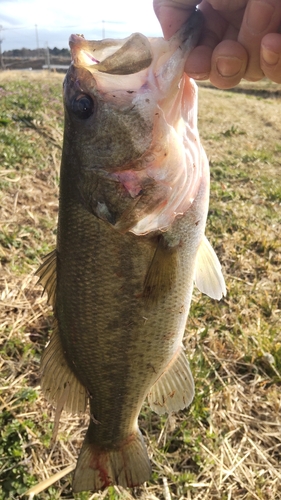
(228, 444)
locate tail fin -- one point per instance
(127, 464)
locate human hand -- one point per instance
(241, 38)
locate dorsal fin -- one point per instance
(47, 273)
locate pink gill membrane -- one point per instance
(179, 174)
(79, 53)
(92, 59)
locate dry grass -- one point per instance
(228, 445)
(33, 76)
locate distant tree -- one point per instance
(59, 52)
(56, 51)
(65, 52)
(34, 53)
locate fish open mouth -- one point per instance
(116, 57)
(134, 53)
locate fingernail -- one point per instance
(259, 14)
(198, 76)
(270, 57)
(228, 66)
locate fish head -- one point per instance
(131, 128)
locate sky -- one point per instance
(26, 23)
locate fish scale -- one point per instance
(120, 281)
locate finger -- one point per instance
(271, 56)
(173, 14)
(261, 17)
(228, 5)
(214, 27)
(198, 64)
(228, 65)
(227, 70)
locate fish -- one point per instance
(134, 194)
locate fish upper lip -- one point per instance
(76, 43)
(75, 38)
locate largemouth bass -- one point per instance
(134, 191)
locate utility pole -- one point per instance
(37, 40)
(1, 57)
(48, 57)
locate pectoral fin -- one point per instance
(174, 390)
(47, 273)
(162, 272)
(208, 274)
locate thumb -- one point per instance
(172, 14)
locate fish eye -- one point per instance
(82, 106)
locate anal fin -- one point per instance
(58, 382)
(47, 273)
(174, 390)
